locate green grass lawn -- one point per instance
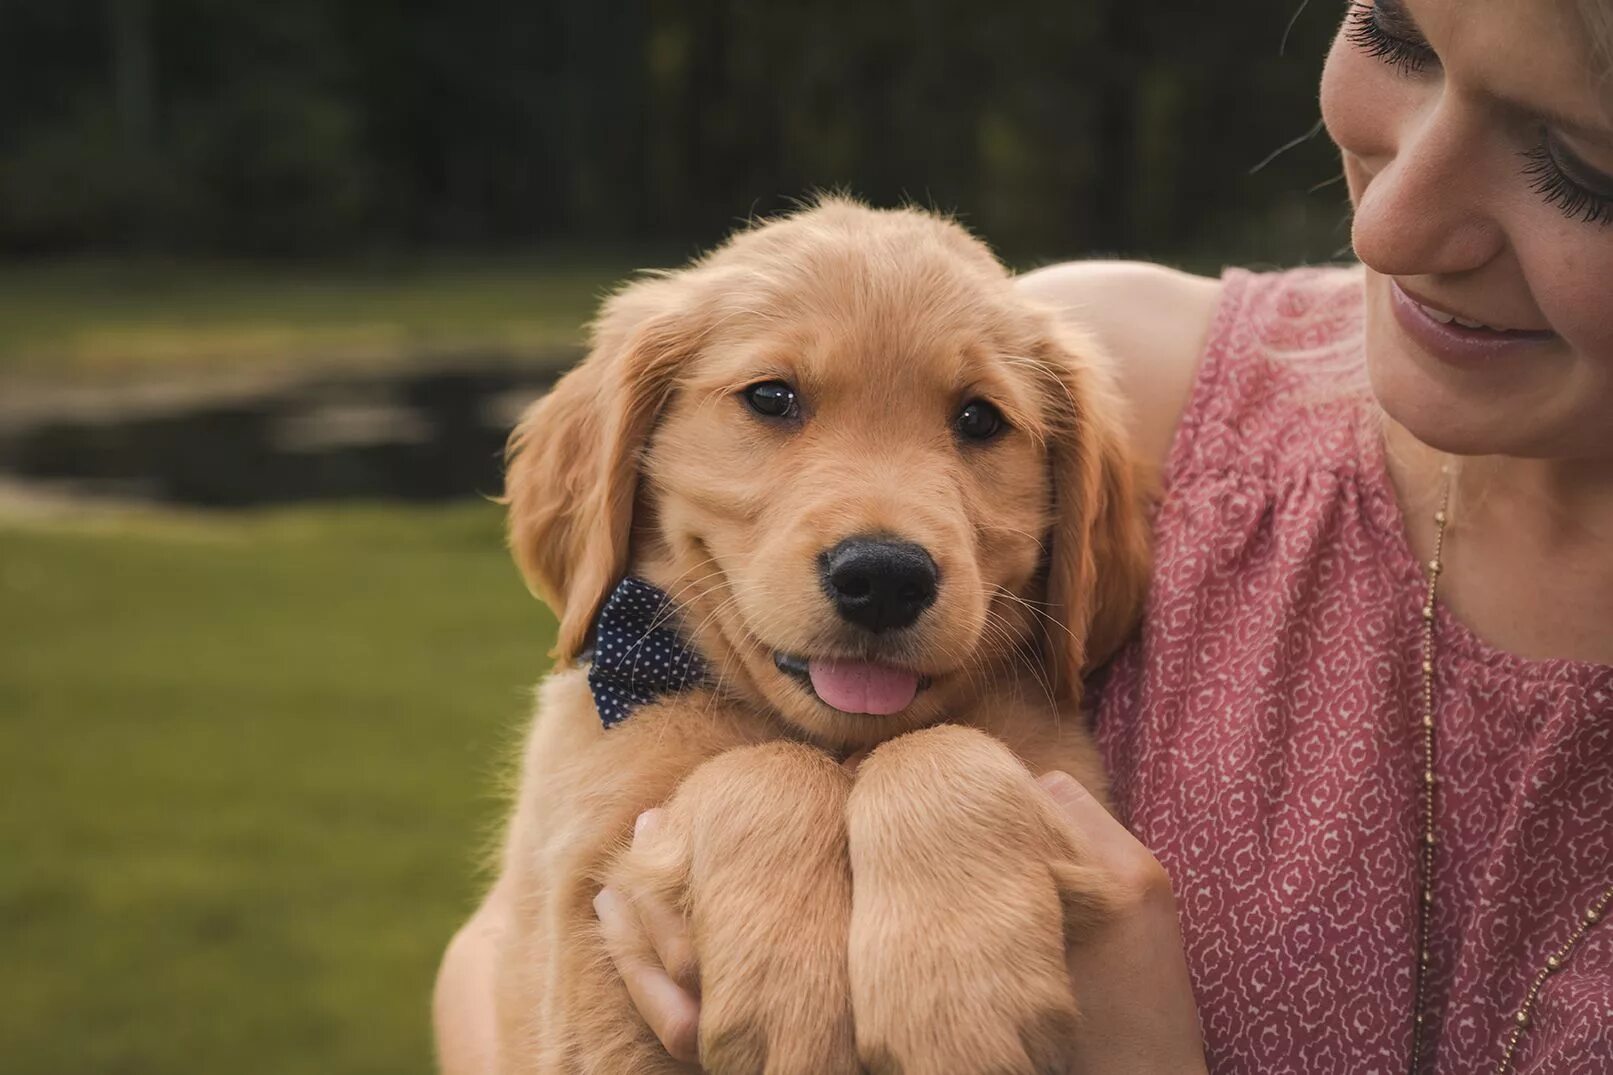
(88, 317)
(249, 767)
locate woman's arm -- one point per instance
(462, 1008)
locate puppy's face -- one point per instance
(854, 483)
(859, 452)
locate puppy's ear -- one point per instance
(1098, 564)
(572, 463)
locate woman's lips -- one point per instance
(1455, 341)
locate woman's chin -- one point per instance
(1526, 412)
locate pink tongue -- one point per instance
(859, 687)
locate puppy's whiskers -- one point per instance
(1016, 646)
(666, 615)
(1018, 649)
(1001, 528)
(729, 650)
(965, 663)
(1047, 618)
(678, 603)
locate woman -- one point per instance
(1367, 728)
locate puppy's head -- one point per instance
(877, 480)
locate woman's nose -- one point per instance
(1427, 209)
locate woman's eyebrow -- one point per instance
(1582, 126)
(1563, 123)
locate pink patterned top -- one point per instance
(1262, 734)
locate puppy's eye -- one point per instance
(978, 420)
(773, 399)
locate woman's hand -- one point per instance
(664, 992)
(1129, 975)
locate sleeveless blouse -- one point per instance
(1262, 733)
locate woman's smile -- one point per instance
(1459, 341)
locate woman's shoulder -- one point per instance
(1247, 353)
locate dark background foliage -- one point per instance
(313, 126)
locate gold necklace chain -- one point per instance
(1425, 906)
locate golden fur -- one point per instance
(911, 918)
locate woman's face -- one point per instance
(1479, 155)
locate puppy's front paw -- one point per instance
(989, 1011)
(757, 838)
(962, 893)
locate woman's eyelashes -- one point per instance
(1386, 32)
(1549, 169)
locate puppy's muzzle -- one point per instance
(878, 584)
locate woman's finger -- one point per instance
(672, 1014)
(665, 925)
(1082, 808)
(1110, 844)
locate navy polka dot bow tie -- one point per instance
(639, 655)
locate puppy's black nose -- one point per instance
(877, 584)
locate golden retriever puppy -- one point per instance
(862, 495)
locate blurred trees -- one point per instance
(313, 125)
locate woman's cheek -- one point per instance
(1572, 293)
(1566, 265)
